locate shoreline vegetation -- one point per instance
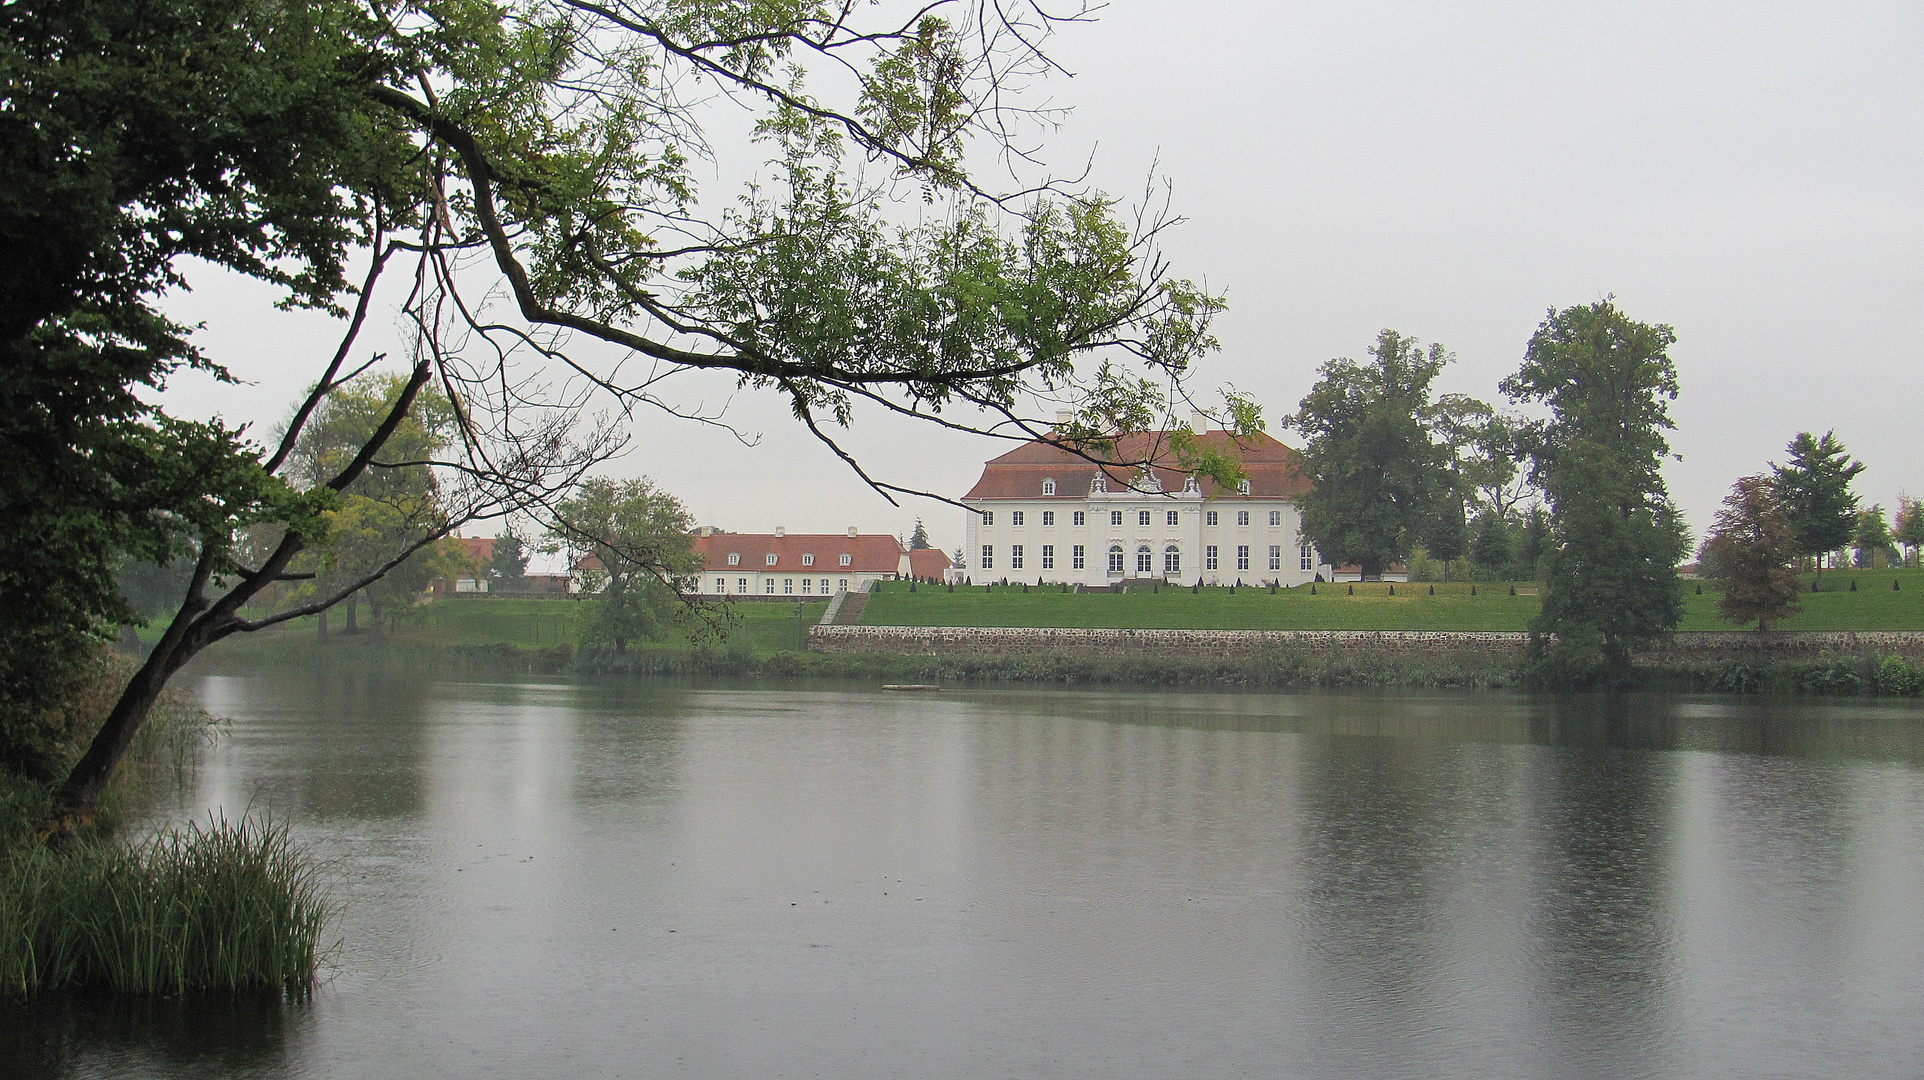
(218, 906)
(769, 640)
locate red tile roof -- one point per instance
(871, 553)
(928, 563)
(479, 549)
(1274, 470)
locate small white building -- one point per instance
(1041, 512)
(797, 564)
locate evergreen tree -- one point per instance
(1755, 551)
(1490, 543)
(1816, 490)
(1610, 583)
(508, 568)
(919, 539)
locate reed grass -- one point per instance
(225, 906)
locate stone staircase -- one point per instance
(845, 609)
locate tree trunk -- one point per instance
(353, 606)
(320, 625)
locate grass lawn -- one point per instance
(1873, 607)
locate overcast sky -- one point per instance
(1751, 174)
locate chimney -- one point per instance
(1198, 423)
(851, 530)
(779, 531)
(1064, 417)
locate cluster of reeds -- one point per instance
(228, 906)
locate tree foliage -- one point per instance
(1816, 490)
(632, 545)
(919, 539)
(1910, 526)
(533, 164)
(1871, 538)
(507, 568)
(1755, 552)
(1610, 572)
(1379, 477)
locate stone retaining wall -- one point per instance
(1680, 647)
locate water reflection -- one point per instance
(642, 879)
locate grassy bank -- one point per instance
(1373, 606)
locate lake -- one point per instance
(541, 879)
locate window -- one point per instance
(1145, 561)
(734, 558)
(1275, 517)
(1015, 518)
(768, 585)
(988, 557)
(1209, 518)
(806, 584)
(1308, 558)
(841, 584)
(1242, 487)
(824, 586)
(1048, 517)
(1242, 517)
(1242, 556)
(1048, 556)
(1171, 560)
(768, 559)
(1015, 557)
(788, 584)
(1079, 519)
(1048, 487)
(721, 584)
(808, 560)
(1076, 557)
(988, 517)
(1142, 517)
(741, 584)
(1115, 517)
(1275, 556)
(1174, 518)
(1209, 558)
(1115, 558)
(847, 559)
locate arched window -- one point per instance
(1242, 486)
(1145, 561)
(1172, 560)
(1048, 487)
(1115, 559)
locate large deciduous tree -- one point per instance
(632, 547)
(1816, 489)
(1755, 553)
(524, 171)
(1871, 538)
(1910, 527)
(1379, 477)
(1611, 569)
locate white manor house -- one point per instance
(1040, 512)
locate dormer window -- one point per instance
(1048, 487)
(734, 558)
(1242, 486)
(847, 559)
(808, 560)
(769, 559)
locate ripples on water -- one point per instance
(647, 881)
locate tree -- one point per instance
(1490, 543)
(1755, 552)
(919, 539)
(1910, 526)
(1447, 536)
(1871, 538)
(633, 545)
(1378, 478)
(540, 152)
(508, 566)
(1611, 569)
(1816, 490)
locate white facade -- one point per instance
(1179, 537)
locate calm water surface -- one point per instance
(548, 880)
